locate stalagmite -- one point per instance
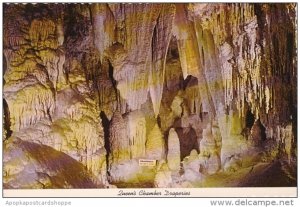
(173, 156)
(233, 142)
(136, 132)
(163, 178)
(209, 149)
(121, 167)
(191, 165)
(107, 96)
(176, 106)
(118, 140)
(287, 137)
(155, 144)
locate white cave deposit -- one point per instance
(149, 95)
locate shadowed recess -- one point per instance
(63, 169)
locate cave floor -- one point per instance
(261, 174)
(272, 174)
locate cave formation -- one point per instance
(149, 95)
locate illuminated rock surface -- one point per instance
(201, 93)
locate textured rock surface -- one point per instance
(104, 85)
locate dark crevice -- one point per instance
(262, 130)
(174, 53)
(114, 83)
(111, 75)
(188, 141)
(105, 124)
(173, 81)
(4, 67)
(258, 133)
(6, 120)
(49, 114)
(154, 41)
(250, 118)
(190, 81)
(158, 120)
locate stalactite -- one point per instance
(212, 71)
(60, 32)
(133, 66)
(206, 97)
(188, 50)
(160, 42)
(103, 27)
